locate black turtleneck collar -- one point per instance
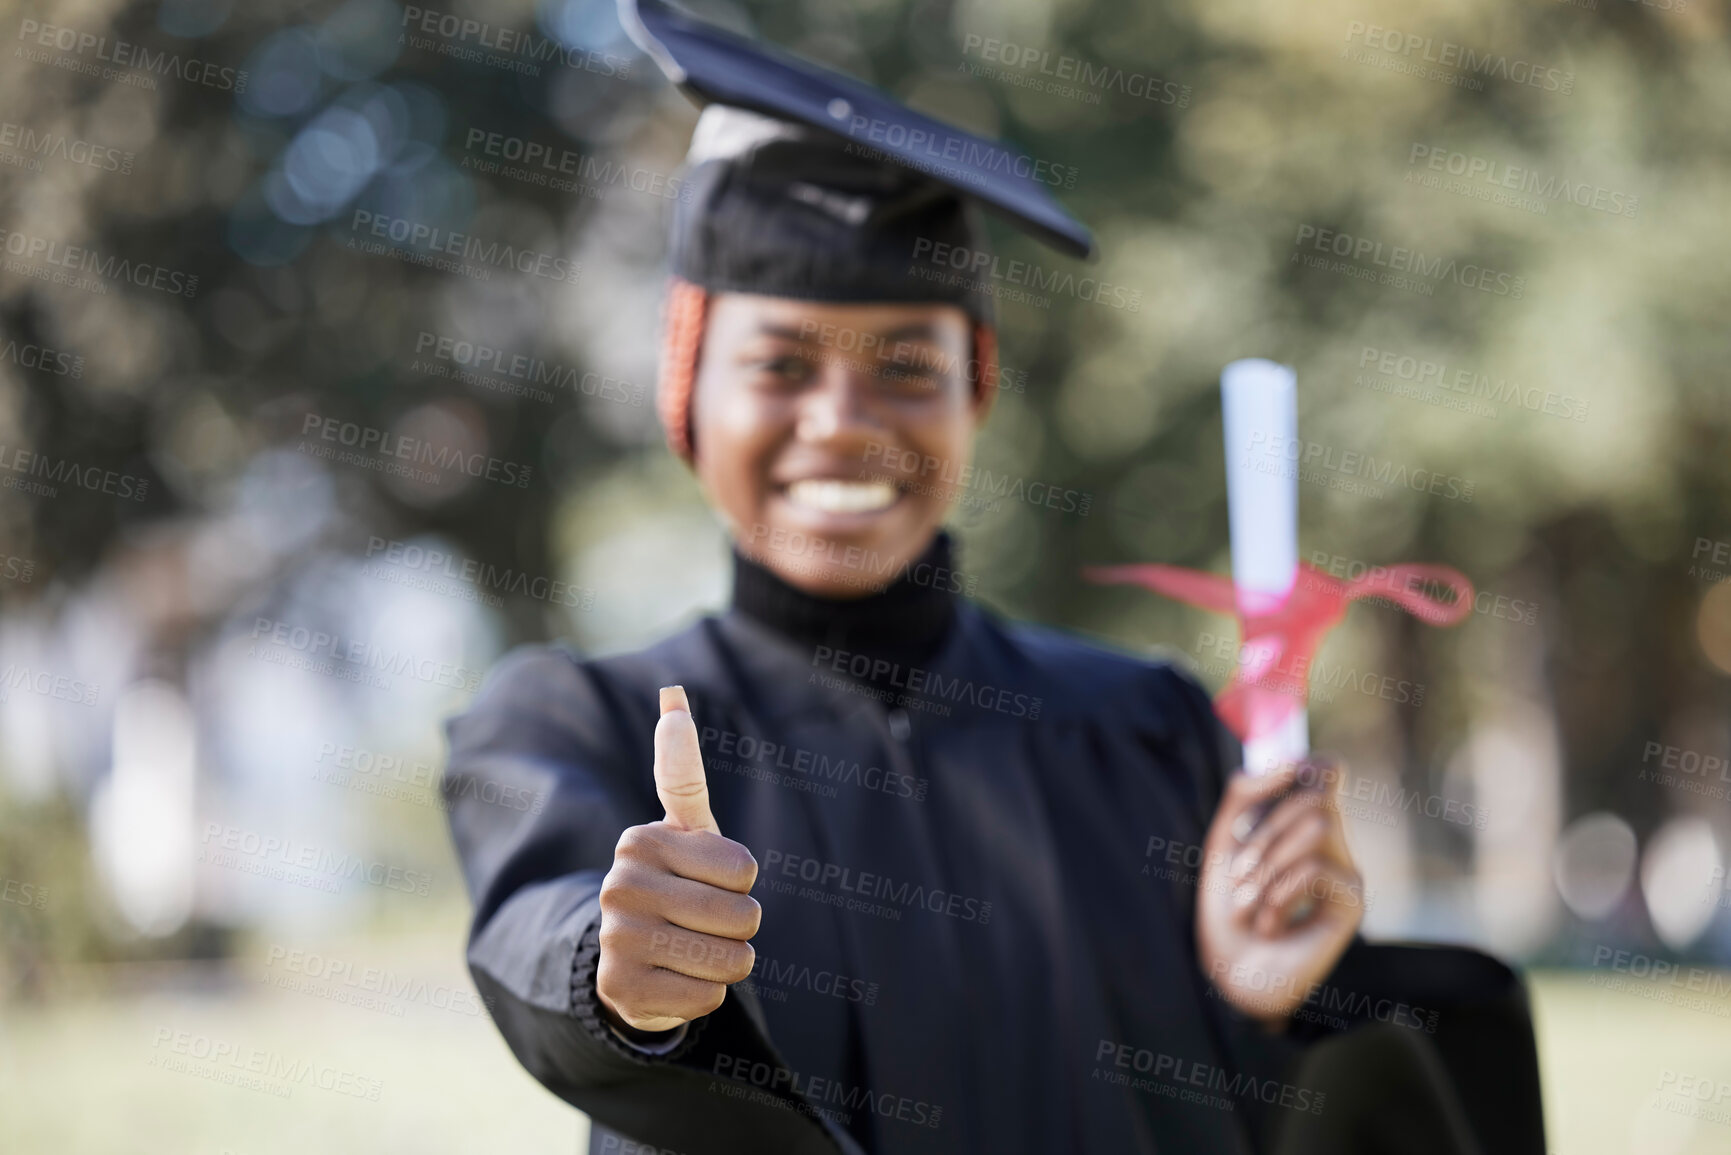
(905, 622)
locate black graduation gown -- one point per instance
(967, 942)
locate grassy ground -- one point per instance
(262, 1069)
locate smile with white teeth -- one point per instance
(832, 495)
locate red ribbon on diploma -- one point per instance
(1280, 635)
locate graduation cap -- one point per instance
(810, 184)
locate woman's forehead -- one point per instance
(751, 314)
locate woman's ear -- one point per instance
(683, 325)
(983, 380)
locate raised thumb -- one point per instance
(679, 779)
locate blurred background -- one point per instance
(327, 350)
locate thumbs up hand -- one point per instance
(676, 907)
(679, 779)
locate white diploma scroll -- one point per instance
(1259, 405)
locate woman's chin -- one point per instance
(837, 554)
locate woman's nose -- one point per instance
(840, 409)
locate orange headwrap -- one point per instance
(682, 344)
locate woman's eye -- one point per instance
(912, 377)
(789, 368)
(913, 381)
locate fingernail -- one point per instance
(673, 698)
(1243, 865)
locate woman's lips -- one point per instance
(828, 495)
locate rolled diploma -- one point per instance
(1259, 406)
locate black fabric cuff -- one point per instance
(586, 1009)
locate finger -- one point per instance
(711, 910)
(1323, 773)
(1320, 774)
(713, 859)
(679, 779)
(695, 906)
(1306, 838)
(700, 956)
(661, 999)
(1309, 890)
(1288, 900)
(1326, 776)
(1288, 812)
(1244, 793)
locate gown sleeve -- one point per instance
(1251, 1046)
(545, 773)
(1473, 1007)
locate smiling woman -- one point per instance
(786, 428)
(1042, 989)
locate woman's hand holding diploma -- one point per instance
(676, 907)
(1280, 897)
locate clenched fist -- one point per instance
(676, 907)
(1281, 897)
